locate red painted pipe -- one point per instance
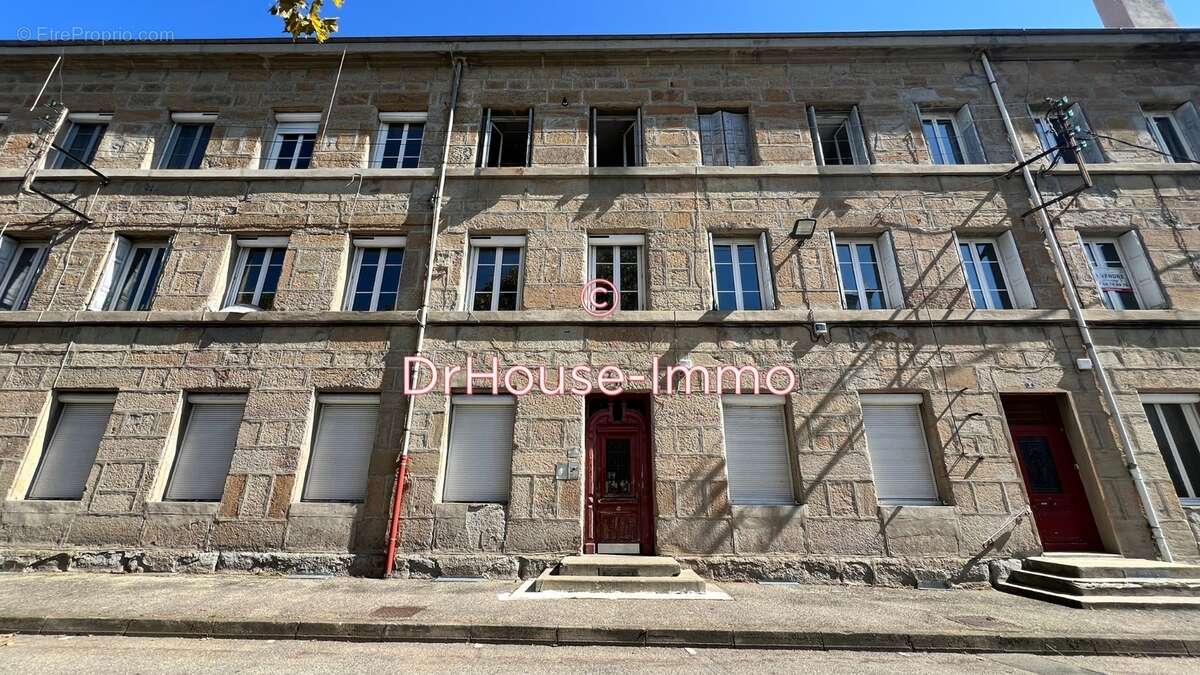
(397, 505)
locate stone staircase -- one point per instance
(1106, 581)
(619, 574)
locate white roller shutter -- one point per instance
(72, 449)
(756, 452)
(206, 451)
(479, 461)
(1138, 266)
(899, 455)
(341, 454)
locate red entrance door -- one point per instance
(619, 505)
(1060, 506)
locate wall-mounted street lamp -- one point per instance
(803, 229)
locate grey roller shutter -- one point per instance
(206, 451)
(899, 455)
(341, 454)
(479, 463)
(72, 449)
(756, 454)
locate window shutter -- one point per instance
(900, 460)
(479, 463)
(529, 140)
(341, 454)
(858, 138)
(1091, 152)
(72, 449)
(1018, 282)
(1189, 126)
(206, 450)
(117, 257)
(971, 146)
(737, 138)
(1140, 270)
(756, 454)
(712, 269)
(815, 132)
(592, 137)
(837, 269)
(8, 247)
(766, 271)
(891, 272)
(639, 150)
(712, 143)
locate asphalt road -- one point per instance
(114, 655)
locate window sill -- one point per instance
(42, 506)
(325, 509)
(183, 508)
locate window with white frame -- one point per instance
(20, 263)
(838, 137)
(76, 430)
(1176, 132)
(995, 276)
(1084, 139)
(293, 141)
(205, 448)
(258, 262)
(398, 145)
(741, 274)
(619, 259)
(1176, 429)
(506, 138)
(341, 448)
(757, 450)
(900, 460)
(725, 138)
(616, 138)
(188, 141)
(1122, 272)
(479, 457)
(374, 282)
(496, 270)
(130, 275)
(81, 138)
(868, 275)
(951, 137)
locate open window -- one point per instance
(506, 138)
(616, 138)
(130, 275)
(81, 139)
(1176, 428)
(1176, 132)
(951, 137)
(188, 141)
(293, 141)
(837, 137)
(867, 272)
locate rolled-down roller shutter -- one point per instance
(206, 451)
(899, 455)
(72, 449)
(479, 463)
(341, 453)
(756, 451)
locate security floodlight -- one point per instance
(803, 229)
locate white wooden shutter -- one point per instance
(1018, 281)
(1091, 149)
(972, 147)
(891, 272)
(118, 255)
(858, 138)
(712, 268)
(766, 271)
(815, 131)
(900, 460)
(756, 451)
(479, 461)
(69, 456)
(341, 453)
(1138, 267)
(206, 451)
(1189, 126)
(8, 247)
(712, 142)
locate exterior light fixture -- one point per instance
(803, 229)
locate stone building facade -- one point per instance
(968, 371)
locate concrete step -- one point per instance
(1122, 586)
(1101, 601)
(686, 581)
(599, 565)
(1109, 567)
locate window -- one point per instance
(619, 258)
(1177, 432)
(1048, 139)
(867, 272)
(479, 459)
(398, 145)
(994, 273)
(20, 263)
(375, 274)
(81, 139)
(900, 461)
(756, 450)
(342, 447)
(506, 139)
(741, 276)
(1176, 132)
(494, 283)
(838, 137)
(206, 448)
(188, 141)
(292, 145)
(952, 137)
(79, 424)
(256, 272)
(1122, 272)
(130, 275)
(616, 138)
(725, 138)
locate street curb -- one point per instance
(628, 637)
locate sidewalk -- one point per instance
(784, 616)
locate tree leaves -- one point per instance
(304, 20)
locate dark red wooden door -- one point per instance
(619, 501)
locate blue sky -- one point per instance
(248, 18)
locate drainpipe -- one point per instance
(422, 321)
(1085, 334)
